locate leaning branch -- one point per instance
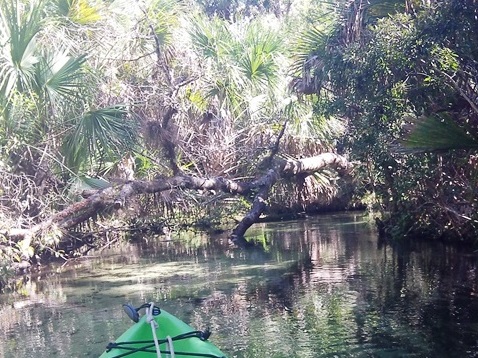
(285, 169)
(117, 196)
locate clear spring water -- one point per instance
(320, 287)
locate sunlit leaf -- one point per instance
(60, 75)
(164, 16)
(100, 135)
(81, 12)
(211, 39)
(19, 26)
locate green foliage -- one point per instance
(18, 38)
(381, 65)
(80, 12)
(234, 9)
(208, 91)
(247, 51)
(163, 17)
(210, 38)
(52, 85)
(25, 250)
(98, 135)
(258, 59)
(59, 78)
(438, 133)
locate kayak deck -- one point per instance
(175, 338)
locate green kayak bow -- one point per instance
(160, 334)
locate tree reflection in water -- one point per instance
(320, 287)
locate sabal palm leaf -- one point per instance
(210, 38)
(165, 15)
(310, 55)
(259, 51)
(19, 26)
(437, 133)
(315, 52)
(213, 42)
(311, 40)
(309, 43)
(84, 13)
(305, 124)
(247, 60)
(59, 76)
(100, 135)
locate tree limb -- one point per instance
(258, 206)
(116, 196)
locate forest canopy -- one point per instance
(112, 113)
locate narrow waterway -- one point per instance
(319, 287)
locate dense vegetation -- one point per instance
(95, 92)
(404, 77)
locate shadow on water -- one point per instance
(319, 287)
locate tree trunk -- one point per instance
(117, 196)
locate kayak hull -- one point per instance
(138, 340)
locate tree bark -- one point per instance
(285, 169)
(116, 196)
(258, 206)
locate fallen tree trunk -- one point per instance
(116, 196)
(258, 206)
(286, 169)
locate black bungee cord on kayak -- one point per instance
(176, 353)
(202, 335)
(151, 346)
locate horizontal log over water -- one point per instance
(117, 195)
(313, 164)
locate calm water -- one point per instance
(321, 287)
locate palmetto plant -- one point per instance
(79, 12)
(54, 85)
(100, 136)
(18, 32)
(246, 93)
(437, 133)
(242, 60)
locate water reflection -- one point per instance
(320, 287)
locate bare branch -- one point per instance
(117, 196)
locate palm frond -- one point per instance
(308, 44)
(80, 12)
(437, 133)
(259, 51)
(100, 135)
(210, 38)
(19, 26)
(59, 76)
(165, 15)
(309, 60)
